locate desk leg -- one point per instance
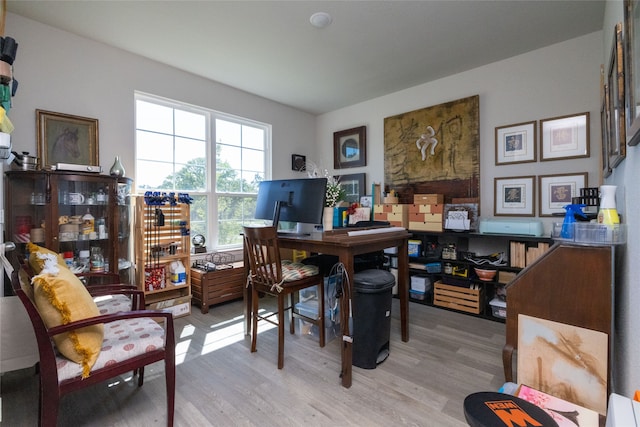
(403, 288)
(345, 313)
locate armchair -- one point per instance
(149, 341)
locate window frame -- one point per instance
(211, 142)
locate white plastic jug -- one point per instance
(178, 273)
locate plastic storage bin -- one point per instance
(372, 297)
(498, 308)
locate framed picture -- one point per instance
(565, 137)
(514, 196)
(354, 186)
(615, 82)
(298, 162)
(63, 138)
(631, 42)
(604, 126)
(350, 148)
(556, 191)
(516, 143)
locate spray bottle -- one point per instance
(570, 219)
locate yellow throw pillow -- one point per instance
(61, 298)
(36, 261)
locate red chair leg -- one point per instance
(170, 378)
(140, 376)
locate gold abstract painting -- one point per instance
(564, 361)
(434, 150)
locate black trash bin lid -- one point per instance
(373, 281)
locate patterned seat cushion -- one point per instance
(110, 304)
(123, 340)
(295, 270)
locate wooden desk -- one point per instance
(337, 242)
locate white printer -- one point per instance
(524, 227)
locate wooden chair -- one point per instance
(59, 376)
(270, 275)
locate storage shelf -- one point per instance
(486, 290)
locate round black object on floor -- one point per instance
(490, 409)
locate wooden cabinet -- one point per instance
(571, 284)
(443, 258)
(163, 253)
(220, 285)
(71, 212)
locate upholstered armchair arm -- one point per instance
(108, 318)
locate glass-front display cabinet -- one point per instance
(86, 217)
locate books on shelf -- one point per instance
(522, 255)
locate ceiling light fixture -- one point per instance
(321, 19)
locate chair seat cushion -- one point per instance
(123, 340)
(295, 270)
(61, 298)
(110, 304)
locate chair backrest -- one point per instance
(263, 252)
(46, 348)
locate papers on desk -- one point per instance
(376, 231)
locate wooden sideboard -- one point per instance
(213, 287)
(569, 284)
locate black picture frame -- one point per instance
(298, 162)
(350, 148)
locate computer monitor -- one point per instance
(293, 200)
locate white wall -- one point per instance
(61, 72)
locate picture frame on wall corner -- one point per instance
(353, 185)
(556, 191)
(631, 43)
(516, 143)
(350, 148)
(604, 127)
(514, 196)
(615, 105)
(64, 138)
(564, 137)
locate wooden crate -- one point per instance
(458, 298)
(217, 286)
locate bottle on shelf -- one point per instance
(88, 223)
(97, 260)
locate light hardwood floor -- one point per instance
(221, 383)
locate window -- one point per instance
(175, 145)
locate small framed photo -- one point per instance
(556, 191)
(354, 186)
(516, 143)
(63, 138)
(514, 196)
(350, 148)
(298, 162)
(565, 137)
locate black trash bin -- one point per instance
(371, 305)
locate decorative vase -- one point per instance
(117, 169)
(327, 219)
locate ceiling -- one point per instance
(371, 48)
